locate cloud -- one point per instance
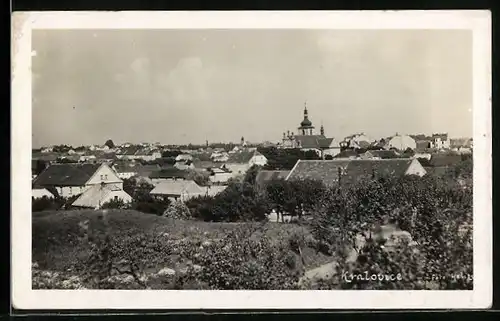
(186, 82)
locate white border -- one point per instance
(25, 298)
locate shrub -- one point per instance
(177, 210)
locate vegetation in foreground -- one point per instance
(128, 249)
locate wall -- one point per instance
(119, 194)
(416, 168)
(260, 160)
(104, 175)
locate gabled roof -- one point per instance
(242, 157)
(265, 176)
(214, 190)
(310, 141)
(177, 188)
(94, 196)
(325, 170)
(66, 175)
(328, 171)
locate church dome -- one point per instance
(306, 123)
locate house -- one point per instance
(100, 194)
(184, 158)
(214, 189)
(219, 157)
(440, 141)
(219, 175)
(265, 176)
(168, 173)
(87, 158)
(238, 163)
(461, 143)
(73, 179)
(184, 164)
(357, 141)
(175, 190)
(125, 171)
(379, 154)
(401, 143)
(422, 155)
(37, 193)
(347, 154)
(349, 171)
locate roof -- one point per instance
(346, 154)
(178, 188)
(242, 157)
(327, 171)
(325, 142)
(170, 172)
(93, 196)
(384, 154)
(204, 164)
(265, 176)
(214, 190)
(66, 175)
(311, 141)
(445, 160)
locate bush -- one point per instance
(239, 262)
(177, 210)
(433, 210)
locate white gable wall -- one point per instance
(416, 168)
(105, 175)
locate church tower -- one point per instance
(322, 130)
(306, 127)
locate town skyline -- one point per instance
(189, 86)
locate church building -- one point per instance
(307, 139)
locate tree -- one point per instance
(201, 179)
(177, 210)
(109, 143)
(115, 204)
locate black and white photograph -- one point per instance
(209, 158)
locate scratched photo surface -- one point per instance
(252, 159)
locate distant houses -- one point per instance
(183, 190)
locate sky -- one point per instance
(189, 86)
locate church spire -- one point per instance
(322, 129)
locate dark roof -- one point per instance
(445, 160)
(346, 154)
(242, 157)
(324, 142)
(328, 170)
(310, 141)
(384, 154)
(66, 175)
(265, 176)
(325, 170)
(169, 173)
(306, 122)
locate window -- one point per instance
(102, 177)
(116, 198)
(106, 177)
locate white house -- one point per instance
(74, 179)
(440, 141)
(98, 195)
(184, 158)
(220, 175)
(125, 172)
(175, 190)
(401, 142)
(38, 193)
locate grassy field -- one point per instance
(59, 242)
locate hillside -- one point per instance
(61, 239)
